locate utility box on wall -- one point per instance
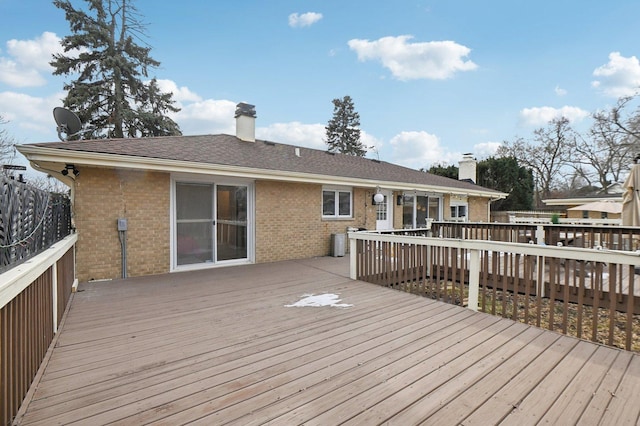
(338, 245)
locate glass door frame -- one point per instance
(215, 181)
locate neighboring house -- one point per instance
(201, 201)
(574, 210)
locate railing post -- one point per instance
(540, 260)
(540, 235)
(474, 279)
(353, 257)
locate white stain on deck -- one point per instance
(326, 299)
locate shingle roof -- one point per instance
(230, 151)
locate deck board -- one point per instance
(220, 347)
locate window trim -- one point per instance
(336, 193)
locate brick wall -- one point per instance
(478, 209)
(104, 195)
(289, 222)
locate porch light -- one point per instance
(378, 198)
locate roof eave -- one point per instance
(39, 154)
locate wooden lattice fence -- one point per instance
(31, 220)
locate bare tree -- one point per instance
(7, 145)
(603, 153)
(622, 121)
(49, 184)
(546, 155)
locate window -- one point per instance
(336, 202)
(381, 209)
(459, 212)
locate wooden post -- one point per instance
(474, 279)
(540, 235)
(353, 258)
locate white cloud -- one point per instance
(435, 60)
(12, 74)
(180, 94)
(297, 20)
(294, 133)
(560, 91)
(540, 116)
(206, 117)
(29, 115)
(619, 77)
(485, 149)
(372, 144)
(419, 150)
(28, 60)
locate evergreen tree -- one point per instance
(108, 93)
(343, 133)
(504, 174)
(450, 171)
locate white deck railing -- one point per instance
(496, 276)
(33, 296)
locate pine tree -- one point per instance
(343, 133)
(505, 174)
(108, 93)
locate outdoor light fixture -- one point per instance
(71, 167)
(378, 198)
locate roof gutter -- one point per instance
(38, 154)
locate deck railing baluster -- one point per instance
(559, 288)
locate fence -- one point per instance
(33, 297)
(588, 293)
(30, 221)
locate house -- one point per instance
(597, 206)
(163, 204)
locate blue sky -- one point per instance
(430, 79)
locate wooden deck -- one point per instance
(220, 346)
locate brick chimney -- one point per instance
(246, 122)
(467, 168)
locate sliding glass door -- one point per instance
(210, 223)
(416, 209)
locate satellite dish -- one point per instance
(68, 123)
